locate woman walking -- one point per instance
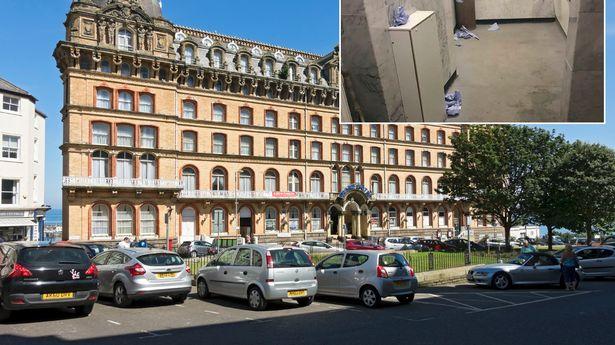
(569, 265)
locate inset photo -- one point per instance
(472, 61)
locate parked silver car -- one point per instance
(196, 248)
(127, 274)
(368, 275)
(525, 269)
(260, 274)
(316, 247)
(595, 261)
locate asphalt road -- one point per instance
(446, 315)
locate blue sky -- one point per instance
(31, 29)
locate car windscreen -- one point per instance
(290, 258)
(161, 259)
(392, 260)
(521, 259)
(48, 256)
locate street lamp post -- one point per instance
(469, 244)
(167, 220)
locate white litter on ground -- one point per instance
(494, 27)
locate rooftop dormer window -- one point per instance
(313, 75)
(124, 40)
(268, 68)
(217, 58)
(189, 55)
(244, 64)
(292, 71)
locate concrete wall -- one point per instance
(514, 9)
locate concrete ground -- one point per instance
(511, 75)
(460, 314)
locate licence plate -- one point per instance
(61, 295)
(400, 283)
(297, 293)
(165, 275)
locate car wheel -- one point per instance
(501, 281)
(194, 254)
(256, 299)
(202, 289)
(84, 310)
(304, 302)
(370, 297)
(120, 296)
(179, 299)
(406, 299)
(4, 314)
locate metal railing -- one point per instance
(410, 197)
(77, 181)
(229, 194)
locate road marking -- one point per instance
(495, 298)
(540, 295)
(453, 301)
(414, 320)
(178, 305)
(529, 302)
(444, 305)
(212, 312)
(152, 334)
(114, 322)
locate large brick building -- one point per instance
(228, 136)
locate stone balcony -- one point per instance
(120, 183)
(409, 197)
(250, 195)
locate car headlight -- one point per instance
(481, 274)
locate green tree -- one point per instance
(587, 175)
(492, 169)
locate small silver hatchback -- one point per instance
(260, 274)
(368, 275)
(127, 274)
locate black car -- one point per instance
(41, 275)
(461, 245)
(609, 241)
(436, 245)
(91, 249)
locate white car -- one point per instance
(316, 247)
(394, 243)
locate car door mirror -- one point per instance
(318, 267)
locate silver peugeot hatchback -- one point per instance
(369, 275)
(260, 274)
(128, 274)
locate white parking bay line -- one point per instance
(453, 301)
(529, 302)
(414, 320)
(444, 305)
(496, 299)
(114, 322)
(539, 295)
(212, 312)
(152, 334)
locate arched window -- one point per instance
(393, 221)
(410, 185)
(410, 217)
(292, 71)
(294, 219)
(409, 133)
(100, 220)
(393, 185)
(188, 54)
(425, 159)
(441, 138)
(103, 98)
(245, 145)
(316, 123)
(189, 110)
(124, 40)
(100, 133)
(441, 160)
(124, 168)
(148, 220)
(346, 177)
(346, 153)
(124, 220)
(218, 179)
(316, 219)
(426, 186)
(245, 116)
(188, 141)
(316, 182)
(125, 70)
(294, 181)
(426, 218)
(105, 66)
(246, 181)
(375, 217)
(244, 64)
(271, 119)
(442, 221)
(148, 167)
(293, 121)
(146, 103)
(125, 135)
(271, 219)
(125, 101)
(100, 164)
(217, 58)
(409, 158)
(218, 113)
(376, 184)
(392, 132)
(335, 187)
(425, 135)
(268, 68)
(219, 144)
(358, 176)
(189, 178)
(393, 156)
(374, 131)
(271, 181)
(314, 75)
(144, 72)
(218, 221)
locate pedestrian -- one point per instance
(527, 248)
(124, 244)
(248, 239)
(569, 264)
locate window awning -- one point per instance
(6, 222)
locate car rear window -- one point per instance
(290, 258)
(161, 259)
(45, 256)
(392, 260)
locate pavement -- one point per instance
(455, 314)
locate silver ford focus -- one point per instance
(127, 274)
(368, 275)
(525, 269)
